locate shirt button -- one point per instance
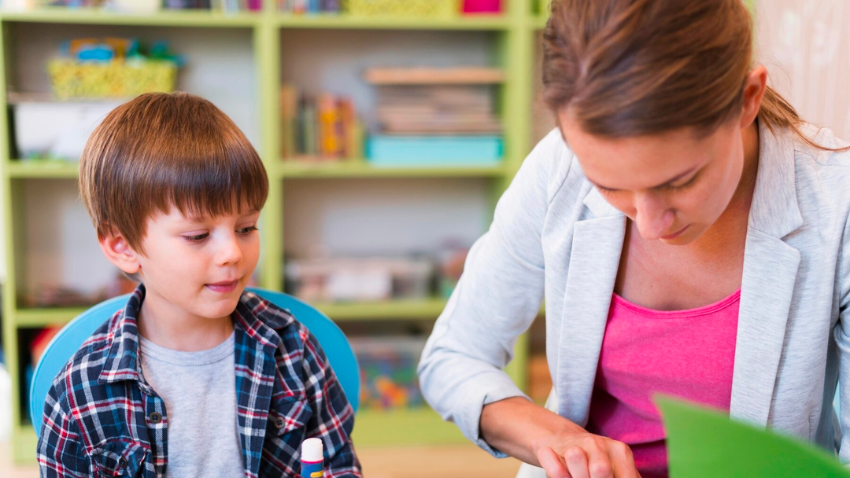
(279, 422)
(122, 463)
(155, 417)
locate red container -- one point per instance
(482, 6)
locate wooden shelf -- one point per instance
(104, 17)
(390, 428)
(45, 317)
(343, 21)
(43, 168)
(361, 169)
(251, 19)
(396, 309)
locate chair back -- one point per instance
(66, 343)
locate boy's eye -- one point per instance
(197, 238)
(248, 230)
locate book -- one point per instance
(429, 76)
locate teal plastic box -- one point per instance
(384, 150)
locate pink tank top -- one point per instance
(684, 353)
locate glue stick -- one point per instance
(312, 458)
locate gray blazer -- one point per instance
(554, 236)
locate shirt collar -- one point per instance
(254, 316)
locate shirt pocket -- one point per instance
(119, 459)
(288, 415)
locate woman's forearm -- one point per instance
(519, 427)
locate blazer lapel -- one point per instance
(594, 260)
(767, 287)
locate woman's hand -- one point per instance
(583, 455)
(540, 437)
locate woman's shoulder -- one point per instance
(822, 174)
(553, 165)
(820, 152)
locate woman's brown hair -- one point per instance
(160, 151)
(640, 67)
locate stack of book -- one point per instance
(299, 7)
(437, 110)
(323, 127)
(431, 116)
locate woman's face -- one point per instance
(674, 186)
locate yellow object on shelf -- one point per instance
(404, 8)
(116, 79)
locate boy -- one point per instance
(194, 377)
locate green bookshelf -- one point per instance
(513, 34)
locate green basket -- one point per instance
(117, 79)
(403, 8)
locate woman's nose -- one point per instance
(653, 218)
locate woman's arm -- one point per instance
(543, 438)
(495, 301)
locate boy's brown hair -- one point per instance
(167, 150)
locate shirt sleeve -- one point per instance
(495, 301)
(60, 452)
(333, 417)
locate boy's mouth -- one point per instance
(224, 286)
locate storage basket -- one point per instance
(116, 79)
(403, 8)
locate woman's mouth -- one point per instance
(676, 234)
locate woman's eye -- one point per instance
(682, 187)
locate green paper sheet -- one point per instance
(703, 443)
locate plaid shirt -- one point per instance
(102, 419)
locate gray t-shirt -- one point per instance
(199, 391)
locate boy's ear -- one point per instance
(118, 251)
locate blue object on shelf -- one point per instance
(386, 150)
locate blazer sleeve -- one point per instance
(842, 339)
(496, 300)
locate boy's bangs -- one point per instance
(210, 186)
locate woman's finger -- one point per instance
(576, 459)
(599, 465)
(552, 463)
(623, 461)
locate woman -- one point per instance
(686, 229)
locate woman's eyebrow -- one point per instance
(662, 185)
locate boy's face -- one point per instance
(194, 267)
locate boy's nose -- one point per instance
(229, 252)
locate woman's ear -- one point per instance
(754, 89)
(118, 251)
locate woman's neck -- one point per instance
(731, 227)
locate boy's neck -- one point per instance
(173, 328)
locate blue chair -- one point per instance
(71, 337)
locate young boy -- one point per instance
(194, 377)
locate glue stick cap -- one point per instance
(312, 450)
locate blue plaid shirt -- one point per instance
(102, 419)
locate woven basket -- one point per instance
(117, 79)
(403, 8)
